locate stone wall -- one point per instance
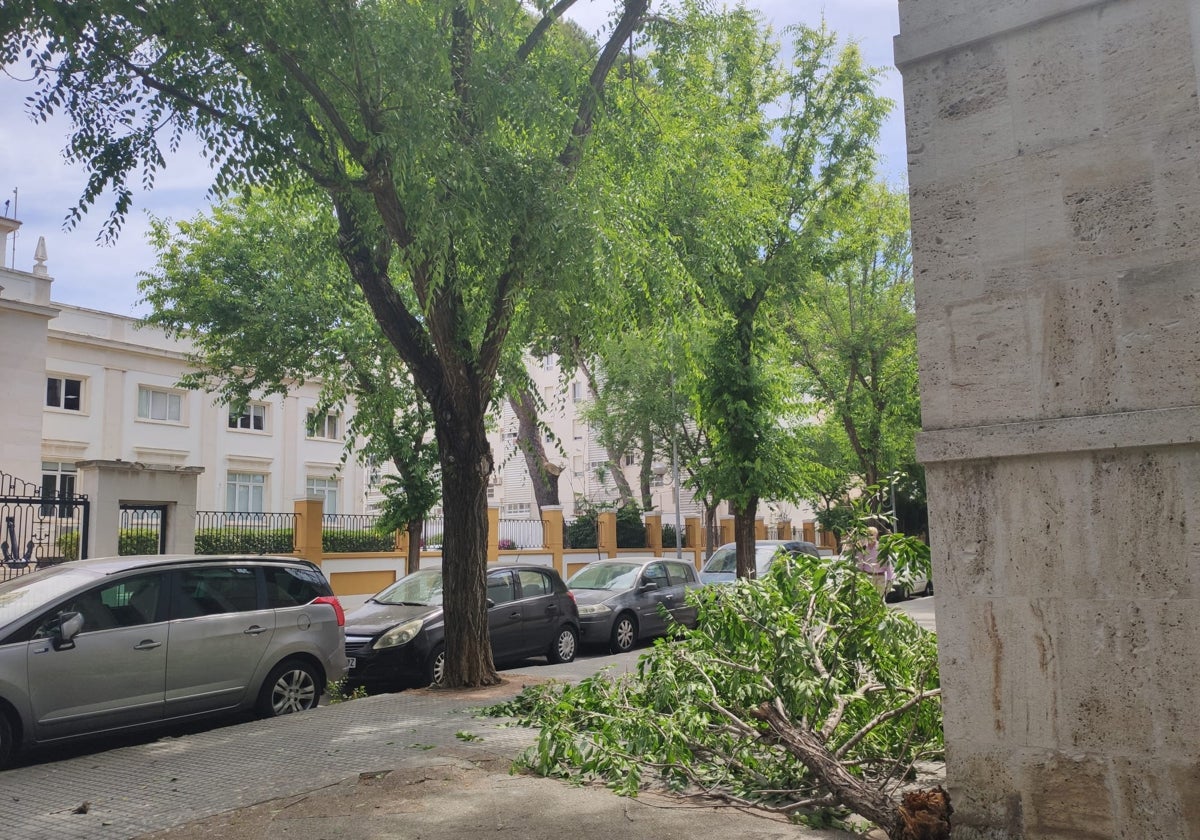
(1054, 164)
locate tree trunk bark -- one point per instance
(743, 534)
(543, 473)
(466, 465)
(413, 561)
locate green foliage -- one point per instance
(339, 540)
(68, 545)
(269, 541)
(583, 531)
(137, 541)
(811, 636)
(668, 537)
(339, 691)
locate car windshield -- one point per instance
(21, 595)
(612, 576)
(423, 588)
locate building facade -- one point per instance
(84, 385)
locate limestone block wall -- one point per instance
(1054, 164)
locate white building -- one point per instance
(84, 385)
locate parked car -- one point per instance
(721, 567)
(619, 599)
(398, 636)
(917, 588)
(116, 643)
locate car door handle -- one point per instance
(254, 630)
(515, 614)
(147, 644)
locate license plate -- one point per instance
(351, 662)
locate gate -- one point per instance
(39, 527)
(143, 530)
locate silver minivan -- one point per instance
(120, 642)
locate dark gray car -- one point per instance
(115, 643)
(619, 600)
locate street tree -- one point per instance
(853, 335)
(258, 288)
(756, 158)
(446, 135)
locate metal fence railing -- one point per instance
(354, 532)
(522, 533)
(432, 533)
(228, 532)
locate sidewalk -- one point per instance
(415, 764)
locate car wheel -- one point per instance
(293, 686)
(928, 587)
(7, 745)
(564, 646)
(435, 667)
(624, 633)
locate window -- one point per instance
(680, 573)
(244, 492)
(630, 459)
(212, 591)
(327, 489)
(58, 482)
(64, 392)
(577, 429)
(292, 587)
(576, 392)
(323, 426)
(155, 404)
(510, 435)
(518, 509)
(533, 583)
(500, 589)
(253, 417)
(128, 602)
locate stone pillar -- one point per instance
(785, 529)
(111, 484)
(1055, 183)
(760, 528)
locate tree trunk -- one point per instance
(743, 534)
(466, 466)
(413, 562)
(543, 473)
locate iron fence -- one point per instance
(522, 533)
(228, 532)
(355, 532)
(39, 528)
(432, 533)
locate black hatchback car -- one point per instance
(397, 637)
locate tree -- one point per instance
(446, 135)
(751, 201)
(258, 288)
(854, 335)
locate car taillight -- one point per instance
(337, 607)
(571, 595)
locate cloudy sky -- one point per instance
(86, 273)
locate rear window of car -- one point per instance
(293, 586)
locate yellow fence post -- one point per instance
(493, 547)
(760, 528)
(606, 532)
(654, 533)
(693, 538)
(726, 529)
(308, 528)
(552, 536)
(785, 529)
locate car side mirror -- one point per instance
(648, 585)
(69, 625)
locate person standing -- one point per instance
(881, 573)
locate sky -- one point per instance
(43, 187)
